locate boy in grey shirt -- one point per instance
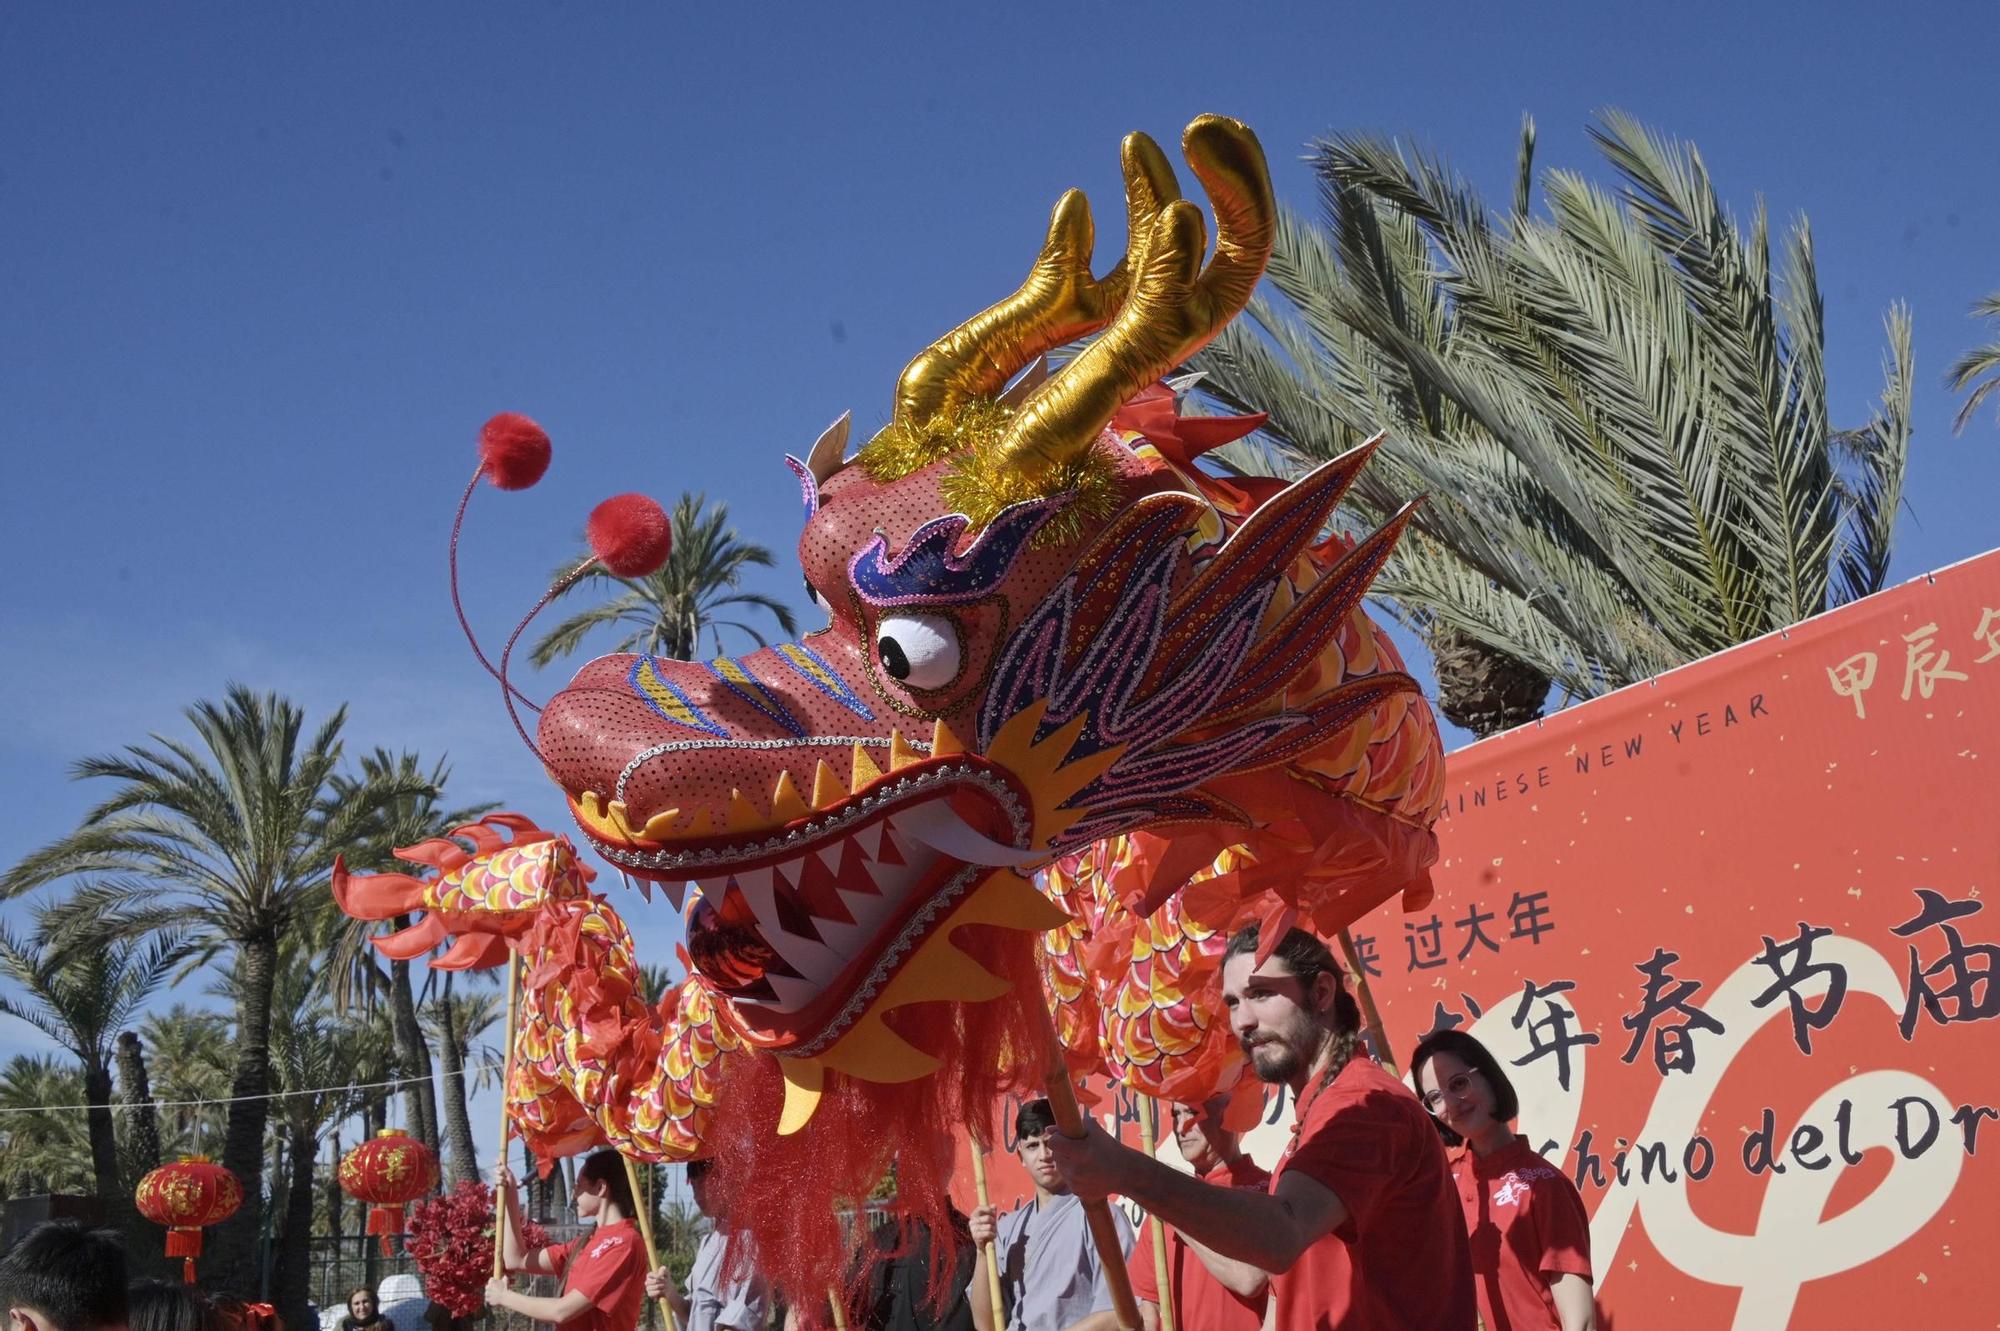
(1050, 1276)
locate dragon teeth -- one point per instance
(813, 960)
(789, 993)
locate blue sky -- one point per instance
(263, 271)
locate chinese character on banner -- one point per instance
(1475, 934)
(1426, 943)
(1793, 965)
(1925, 662)
(1968, 992)
(1444, 1019)
(1365, 955)
(1665, 996)
(1530, 916)
(1852, 678)
(1987, 633)
(1551, 1034)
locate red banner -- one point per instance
(1727, 930)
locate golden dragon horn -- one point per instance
(1174, 308)
(1059, 302)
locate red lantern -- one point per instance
(186, 1196)
(388, 1171)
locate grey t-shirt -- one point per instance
(1049, 1270)
(716, 1301)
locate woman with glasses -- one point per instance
(1529, 1234)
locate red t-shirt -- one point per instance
(1527, 1225)
(1201, 1302)
(1399, 1260)
(608, 1264)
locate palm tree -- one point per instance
(189, 1070)
(404, 820)
(135, 1092)
(231, 840)
(655, 983)
(44, 1143)
(455, 1021)
(665, 613)
(1619, 411)
(1978, 369)
(324, 1065)
(81, 996)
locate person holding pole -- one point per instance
(1361, 1229)
(1050, 1276)
(602, 1273)
(1208, 1292)
(720, 1296)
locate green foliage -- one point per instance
(1978, 369)
(189, 1057)
(1618, 409)
(42, 1151)
(80, 992)
(229, 840)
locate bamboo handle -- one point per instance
(1103, 1231)
(501, 1193)
(1371, 1015)
(991, 1250)
(1148, 1138)
(646, 1233)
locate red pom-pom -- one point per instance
(513, 451)
(630, 535)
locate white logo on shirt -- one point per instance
(1517, 1185)
(606, 1244)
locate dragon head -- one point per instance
(1046, 626)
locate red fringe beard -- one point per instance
(788, 1193)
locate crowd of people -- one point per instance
(1417, 1211)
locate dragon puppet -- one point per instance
(1080, 708)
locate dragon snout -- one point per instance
(652, 750)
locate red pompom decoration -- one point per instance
(451, 1240)
(513, 451)
(630, 535)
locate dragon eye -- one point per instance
(919, 650)
(812, 594)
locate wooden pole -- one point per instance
(1103, 1231)
(645, 1218)
(833, 1302)
(990, 1250)
(501, 1192)
(1148, 1139)
(1370, 1014)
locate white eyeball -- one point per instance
(919, 650)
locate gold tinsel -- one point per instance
(978, 488)
(897, 450)
(977, 485)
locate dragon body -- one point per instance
(1057, 649)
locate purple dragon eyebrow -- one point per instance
(926, 572)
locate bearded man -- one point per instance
(1361, 1229)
